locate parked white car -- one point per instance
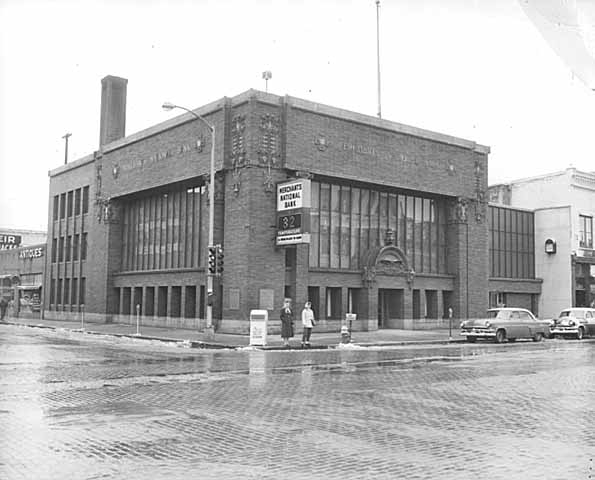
(574, 322)
(501, 324)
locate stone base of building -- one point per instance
(242, 327)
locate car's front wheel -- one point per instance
(471, 339)
(580, 333)
(538, 337)
(500, 336)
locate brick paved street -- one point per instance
(88, 408)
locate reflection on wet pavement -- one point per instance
(88, 410)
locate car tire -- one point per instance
(500, 336)
(538, 337)
(471, 339)
(580, 333)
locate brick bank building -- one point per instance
(393, 225)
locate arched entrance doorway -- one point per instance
(387, 270)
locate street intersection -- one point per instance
(90, 408)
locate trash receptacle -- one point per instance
(258, 327)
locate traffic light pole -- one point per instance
(210, 293)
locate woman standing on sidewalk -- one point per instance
(308, 322)
(286, 322)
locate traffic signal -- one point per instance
(212, 260)
(219, 259)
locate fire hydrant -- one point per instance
(345, 334)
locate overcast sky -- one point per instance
(476, 69)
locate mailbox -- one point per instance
(258, 327)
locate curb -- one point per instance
(199, 344)
(190, 343)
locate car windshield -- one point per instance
(498, 314)
(572, 313)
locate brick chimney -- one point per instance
(113, 109)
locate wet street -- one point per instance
(81, 407)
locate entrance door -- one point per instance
(390, 307)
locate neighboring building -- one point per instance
(15, 238)
(393, 218)
(22, 257)
(21, 278)
(563, 204)
(513, 281)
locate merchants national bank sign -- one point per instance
(293, 212)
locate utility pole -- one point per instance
(65, 137)
(378, 53)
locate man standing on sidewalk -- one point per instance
(308, 322)
(3, 307)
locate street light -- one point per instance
(170, 106)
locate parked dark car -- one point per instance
(501, 324)
(574, 322)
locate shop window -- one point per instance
(68, 247)
(314, 299)
(54, 248)
(431, 304)
(202, 301)
(62, 205)
(149, 301)
(162, 301)
(67, 291)
(61, 250)
(83, 291)
(75, 247)
(333, 303)
(59, 292)
(126, 292)
(416, 304)
(176, 302)
(56, 207)
(84, 246)
(137, 300)
(585, 231)
(355, 301)
(447, 299)
(85, 199)
(52, 292)
(69, 200)
(74, 293)
(77, 201)
(190, 302)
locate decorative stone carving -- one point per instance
(389, 260)
(389, 237)
(268, 149)
(238, 146)
(98, 181)
(269, 185)
(458, 210)
(390, 267)
(369, 276)
(238, 150)
(480, 203)
(107, 211)
(321, 143)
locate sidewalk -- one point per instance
(195, 339)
